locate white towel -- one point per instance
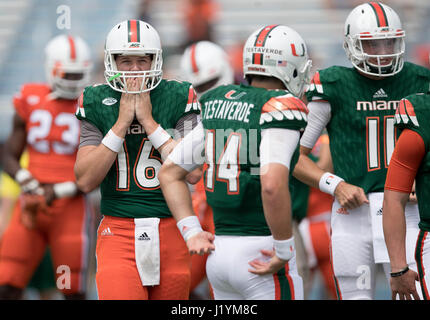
(380, 251)
(147, 250)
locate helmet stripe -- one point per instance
(193, 59)
(133, 30)
(72, 48)
(257, 58)
(381, 17)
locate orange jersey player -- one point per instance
(50, 211)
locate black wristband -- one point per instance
(400, 273)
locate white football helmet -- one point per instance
(67, 66)
(374, 27)
(278, 51)
(206, 66)
(134, 38)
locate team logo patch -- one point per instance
(233, 96)
(109, 101)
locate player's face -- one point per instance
(133, 63)
(379, 47)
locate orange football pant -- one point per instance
(66, 227)
(117, 276)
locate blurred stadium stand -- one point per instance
(27, 25)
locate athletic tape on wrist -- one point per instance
(189, 227)
(65, 189)
(159, 137)
(112, 141)
(284, 249)
(329, 182)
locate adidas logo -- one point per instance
(380, 94)
(106, 232)
(379, 212)
(144, 236)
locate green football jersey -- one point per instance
(131, 188)
(414, 114)
(361, 128)
(233, 117)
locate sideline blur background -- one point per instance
(27, 25)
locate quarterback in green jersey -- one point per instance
(249, 134)
(140, 252)
(410, 160)
(357, 106)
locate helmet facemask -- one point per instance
(362, 50)
(297, 77)
(68, 83)
(117, 80)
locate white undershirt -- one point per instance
(318, 117)
(278, 145)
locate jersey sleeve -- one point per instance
(284, 111)
(85, 109)
(412, 113)
(20, 103)
(193, 105)
(317, 89)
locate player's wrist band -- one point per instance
(189, 227)
(400, 273)
(32, 185)
(159, 137)
(65, 189)
(328, 182)
(22, 175)
(284, 249)
(112, 141)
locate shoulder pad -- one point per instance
(281, 107)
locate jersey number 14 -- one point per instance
(227, 169)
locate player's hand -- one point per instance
(144, 111)
(404, 286)
(30, 206)
(48, 192)
(127, 106)
(30, 186)
(272, 266)
(201, 243)
(350, 196)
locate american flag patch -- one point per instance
(282, 63)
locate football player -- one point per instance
(140, 252)
(51, 210)
(357, 106)
(410, 161)
(249, 134)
